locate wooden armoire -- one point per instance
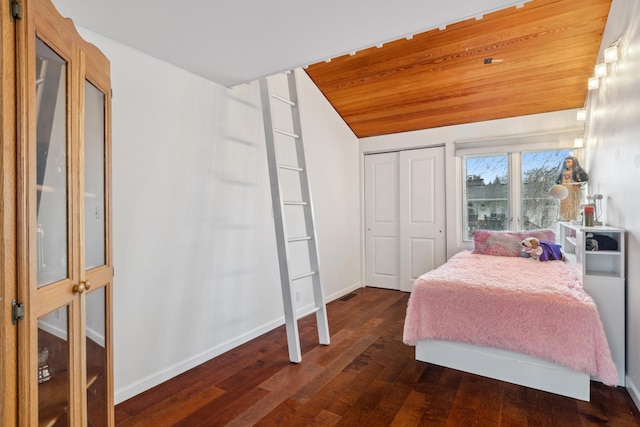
(56, 269)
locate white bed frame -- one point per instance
(516, 368)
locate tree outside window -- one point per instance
(486, 191)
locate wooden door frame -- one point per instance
(18, 366)
(8, 225)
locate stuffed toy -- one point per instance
(542, 250)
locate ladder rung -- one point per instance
(272, 137)
(284, 132)
(300, 239)
(282, 99)
(291, 168)
(302, 276)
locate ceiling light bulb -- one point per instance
(593, 83)
(611, 54)
(601, 69)
(582, 114)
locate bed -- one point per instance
(510, 318)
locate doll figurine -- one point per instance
(571, 176)
(571, 172)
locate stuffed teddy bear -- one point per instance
(542, 250)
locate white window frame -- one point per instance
(513, 147)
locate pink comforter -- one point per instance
(513, 303)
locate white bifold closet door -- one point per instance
(404, 216)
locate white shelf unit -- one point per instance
(603, 277)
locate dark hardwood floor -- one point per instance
(365, 377)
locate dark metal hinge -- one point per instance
(16, 10)
(17, 311)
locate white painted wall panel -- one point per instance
(194, 243)
(613, 159)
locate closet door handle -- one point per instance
(81, 287)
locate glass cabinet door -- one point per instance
(95, 249)
(96, 357)
(94, 176)
(64, 224)
(53, 368)
(51, 165)
(52, 234)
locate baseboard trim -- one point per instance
(154, 379)
(633, 392)
(342, 292)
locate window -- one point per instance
(511, 190)
(486, 193)
(539, 174)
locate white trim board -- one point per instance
(159, 377)
(633, 392)
(516, 368)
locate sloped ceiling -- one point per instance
(236, 41)
(513, 62)
(431, 70)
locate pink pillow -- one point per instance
(506, 243)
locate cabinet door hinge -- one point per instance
(16, 10)
(17, 311)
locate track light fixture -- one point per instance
(611, 52)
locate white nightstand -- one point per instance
(603, 277)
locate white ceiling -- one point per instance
(236, 41)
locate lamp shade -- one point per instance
(559, 192)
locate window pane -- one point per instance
(94, 177)
(51, 165)
(539, 173)
(96, 354)
(53, 368)
(486, 193)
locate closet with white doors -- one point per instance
(404, 195)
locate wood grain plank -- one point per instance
(545, 48)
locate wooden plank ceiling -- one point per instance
(541, 56)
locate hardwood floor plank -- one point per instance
(565, 412)
(222, 411)
(442, 392)
(539, 410)
(313, 407)
(171, 410)
(389, 405)
(354, 390)
(616, 407)
(411, 411)
(325, 419)
(514, 405)
(366, 376)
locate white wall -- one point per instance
(193, 235)
(613, 158)
(447, 136)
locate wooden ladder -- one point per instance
(282, 140)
